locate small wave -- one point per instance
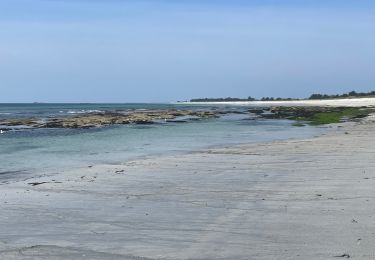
(5, 113)
(84, 111)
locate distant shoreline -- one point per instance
(345, 102)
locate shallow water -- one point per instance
(40, 151)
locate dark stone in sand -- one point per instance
(343, 256)
(37, 183)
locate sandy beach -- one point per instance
(187, 130)
(294, 199)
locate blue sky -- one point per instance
(167, 50)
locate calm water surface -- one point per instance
(41, 151)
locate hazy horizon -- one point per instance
(163, 51)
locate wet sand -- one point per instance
(295, 199)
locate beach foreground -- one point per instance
(295, 199)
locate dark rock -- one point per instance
(343, 256)
(256, 111)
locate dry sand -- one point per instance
(295, 199)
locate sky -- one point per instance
(169, 50)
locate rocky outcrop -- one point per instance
(314, 115)
(107, 118)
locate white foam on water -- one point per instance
(83, 111)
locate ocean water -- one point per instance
(26, 152)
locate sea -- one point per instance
(26, 152)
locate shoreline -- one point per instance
(25, 175)
(237, 202)
(344, 102)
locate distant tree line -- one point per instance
(221, 99)
(313, 96)
(346, 95)
(277, 99)
(239, 99)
